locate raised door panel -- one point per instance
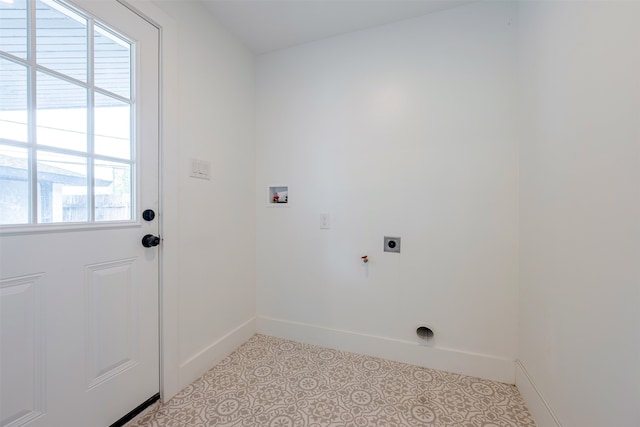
(21, 351)
(112, 319)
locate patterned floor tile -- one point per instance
(154, 417)
(273, 382)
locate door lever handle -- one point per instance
(150, 240)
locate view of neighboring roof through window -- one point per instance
(67, 149)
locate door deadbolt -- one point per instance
(148, 215)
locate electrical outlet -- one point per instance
(325, 221)
(392, 244)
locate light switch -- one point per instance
(325, 221)
(200, 169)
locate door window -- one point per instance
(67, 146)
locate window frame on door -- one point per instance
(38, 152)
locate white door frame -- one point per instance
(168, 171)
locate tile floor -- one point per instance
(273, 382)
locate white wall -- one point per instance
(580, 212)
(216, 230)
(405, 130)
(410, 129)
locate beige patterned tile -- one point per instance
(278, 383)
(154, 417)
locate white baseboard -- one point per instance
(538, 406)
(472, 364)
(201, 362)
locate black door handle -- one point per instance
(150, 240)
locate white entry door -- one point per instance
(79, 342)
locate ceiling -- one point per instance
(268, 25)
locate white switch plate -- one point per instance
(200, 169)
(325, 221)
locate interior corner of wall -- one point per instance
(538, 406)
(199, 363)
